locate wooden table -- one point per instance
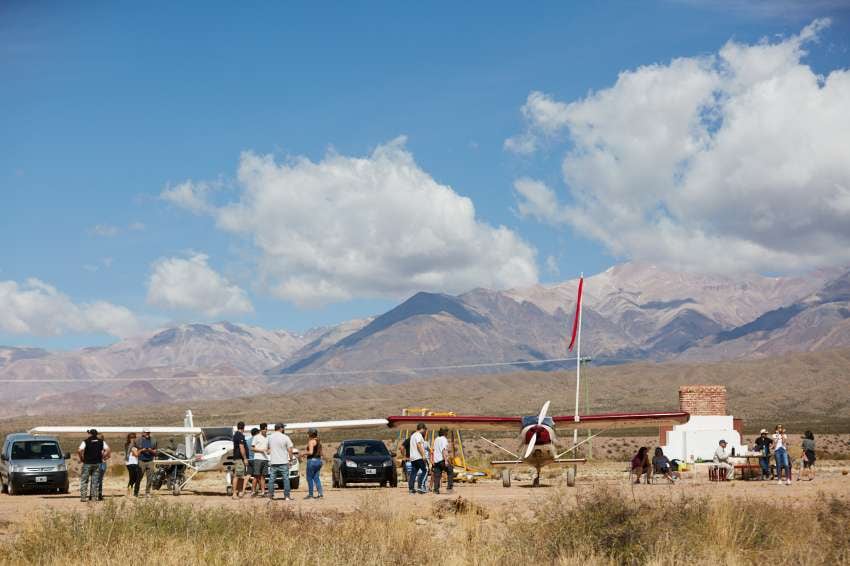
(749, 471)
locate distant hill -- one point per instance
(632, 312)
(802, 390)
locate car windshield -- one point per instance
(36, 450)
(373, 448)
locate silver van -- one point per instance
(32, 463)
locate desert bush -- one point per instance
(597, 527)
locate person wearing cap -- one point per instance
(92, 452)
(280, 455)
(442, 461)
(147, 449)
(721, 460)
(763, 443)
(417, 458)
(314, 463)
(260, 449)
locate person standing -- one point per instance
(314, 464)
(417, 458)
(91, 452)
(260, 449)
(442, 461)
(763, 443)
(280, 454)
(240, 460)
(146, 447)
(780, 453)
(809, 456)
(131, 460)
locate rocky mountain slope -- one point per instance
(631, 312)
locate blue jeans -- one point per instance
(276, 470)
(417, 467)
(781, 456)
(91, 472)
(314, 465)
(765, 466)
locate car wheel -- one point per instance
(10, 489)
(294, 483)
(334, 482)
(2, 487)
(341, 480)
(383, 484)
(229, 491)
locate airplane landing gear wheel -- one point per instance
(229, 491)
(536, 482)
(176, 489)
(571, 477)
(506, 478)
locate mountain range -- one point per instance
(630, 312)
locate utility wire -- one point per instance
(310, 374)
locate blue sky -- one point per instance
(107, 106)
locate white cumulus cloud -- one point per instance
(191, 196)
(738, 160)
(190, 284)
(374, 226)
(38, 308)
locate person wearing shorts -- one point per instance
(261, 460)
(240, 460)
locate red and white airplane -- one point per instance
(537, 440)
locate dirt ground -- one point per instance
(516, 502)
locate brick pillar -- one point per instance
(703, 399)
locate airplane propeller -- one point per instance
(533, 440)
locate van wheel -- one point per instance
(341, 480)
(294, 483)
(10, 489)
(229, 491)
(2, 487)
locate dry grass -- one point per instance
(599, 528)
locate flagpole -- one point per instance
(578, 364)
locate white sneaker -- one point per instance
(787, 482)
(778, 482)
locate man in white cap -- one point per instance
(721, 460)
(763, 444)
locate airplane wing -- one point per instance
(621, 420)
(558, 462)
(473, 422)
(109, 430)
(328, 425)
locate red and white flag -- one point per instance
(578, 310)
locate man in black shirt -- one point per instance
(240, 459)
(92, 452)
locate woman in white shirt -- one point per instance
(780, 452)
(131, 460)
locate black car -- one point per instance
(363, 461)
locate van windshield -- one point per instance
(36, 450)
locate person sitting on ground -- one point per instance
(661, 465)
(641, 465)
(808, 456)
(763, 443)
(721, 460)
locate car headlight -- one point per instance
(17, 469)
(388, 463)
(351, 464)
